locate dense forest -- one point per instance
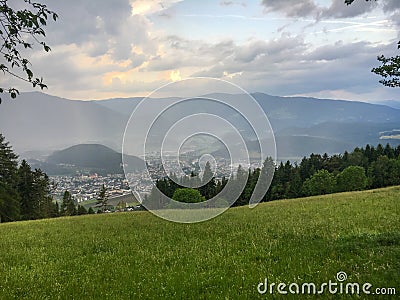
(24, 193)
(363, 168)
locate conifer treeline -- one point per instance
(25, 194)
(363, 168)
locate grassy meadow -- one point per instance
(139, 256)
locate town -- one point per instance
(85, 187)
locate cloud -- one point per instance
(274, 50)
(336, 51)
(114, 48)
(391, 5)
(213, 59)
(148, 7)
(291, 8)
(90, 42)
(178, 52)
(284, 65)
(68, 69)
(338, 9)
(232, 75)
(289, 65)
(101, 27)
(392, 9)
(255, 56)
(87, 19)
(230, 3)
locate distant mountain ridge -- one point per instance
(391, 103)
(298, 111)
(285, 112)
(304, 125)
(37, 122)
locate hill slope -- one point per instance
(136, 255)
(95, 157)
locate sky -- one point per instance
(125, 48)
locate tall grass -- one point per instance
(137, 255)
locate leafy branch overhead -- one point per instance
(390, 68)
(21, 29)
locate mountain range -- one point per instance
(42, 124)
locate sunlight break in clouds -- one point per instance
(175, 75)
(146, 7)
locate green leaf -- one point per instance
(46, 48)
(30, 73)
(35, 21)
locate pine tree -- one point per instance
(9, 198)
(208, 182)
(81, 210)
(68, 207)
(389, 152)
(29, 209)
(56, 210)
(295, 185)
(42, 194)
(9, 204)
(250, 185)
(102, 198)
(35, 194)
(267, 172)
(8, 162)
